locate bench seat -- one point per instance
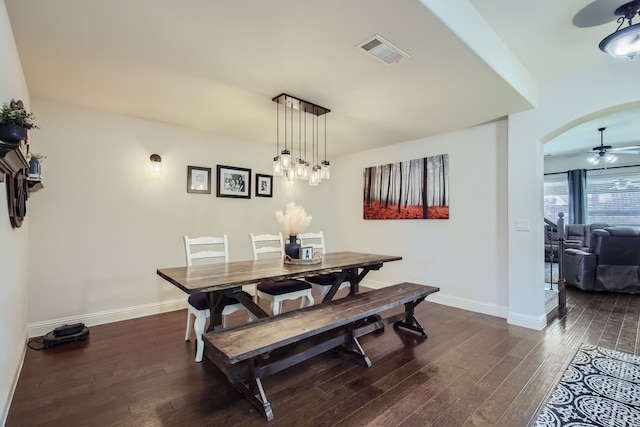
(266, 346)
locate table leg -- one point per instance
(220, 299)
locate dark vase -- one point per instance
(12, 133)
(292, 248)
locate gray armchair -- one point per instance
(612, 262)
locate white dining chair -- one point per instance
(215, 248)
(278, 291)
(320, 282)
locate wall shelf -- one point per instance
(34, 185)
(12, 159)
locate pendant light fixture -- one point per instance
(300, 169)
(624, 43)
(277, 163)
(325, 172)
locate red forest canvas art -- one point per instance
(411, 189)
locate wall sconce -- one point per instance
(156, 163)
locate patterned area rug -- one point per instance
(600, 387)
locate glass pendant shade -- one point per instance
(291, 176)
(277, 166)
(156, 164)
(305, 172)
(624, 43)
(285, 159)
(326, 170)
(299, 168)
(314, 177)
(610, 158)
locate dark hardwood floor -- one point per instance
(473, 370)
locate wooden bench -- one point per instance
(258, 349)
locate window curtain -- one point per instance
(577, 196)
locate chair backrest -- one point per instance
(206, 248)
(267, 244)
(315, 240)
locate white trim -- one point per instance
(526, 321)
(14, 384)
(453, 301)
(468, 304)
(41, 328)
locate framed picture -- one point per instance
(264, 185)
(306, 252)
(198, 180)
(234, 182)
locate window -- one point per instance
(556, 197)
(614, 198)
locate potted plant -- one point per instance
(14, 122)
(294, 221)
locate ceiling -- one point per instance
(214, 66)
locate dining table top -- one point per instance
(220, 276)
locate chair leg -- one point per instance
(187, 335)
(201, 318)
(309, 299)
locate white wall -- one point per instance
(104, 223)
(564, 102)
(463, 255)
(14, 260)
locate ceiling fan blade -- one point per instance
(597, 13)
(627, 152)
(629, 147)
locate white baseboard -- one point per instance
(469, 304)
(526, 321)
(41, 328)
(14, 383)
(518, 319)
(452, 301)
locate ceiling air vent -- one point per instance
(383, 50)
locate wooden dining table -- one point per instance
(224, 281)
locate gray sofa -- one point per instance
(612, 262)
(577, 236)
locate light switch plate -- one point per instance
(522, 225)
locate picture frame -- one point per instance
(264, 185)
(306, 252)
(198, 180)
(233, 182)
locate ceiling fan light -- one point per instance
(594, 160)
(624, 44)
(610, 158)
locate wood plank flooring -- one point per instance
(473, 370)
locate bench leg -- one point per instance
(254, 392)
(410, 322)
(353, 349)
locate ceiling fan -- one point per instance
(623, 42)
(606, 154)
